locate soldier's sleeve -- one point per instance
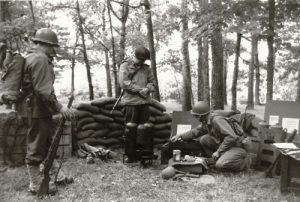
(194, 133)
(125, 80)
(225, 130)
(42, 79)
(150, 81)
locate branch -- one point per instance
(113, 11)
(138, 6)
(246, 38)
(93, 38)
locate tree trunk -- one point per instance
(250, 102)
(200, 89)
(217, 97)
(32, 13)
(86, 60)
(270, 40)
(115, 73)
(151, 47)
(298, 87)
(106, 52)
(73, 65)
(125, 11)
(186, 72)
(225, 76)
(205, 65)
(235, 71)
(257, 73)
(3, 10)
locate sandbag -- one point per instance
(115, 126)
(110, 112)
(161, 126)
(100, 133)
(79, 113)
(163, 119)
(84, 134)
(94, 126)
(88, 107)
(103, 101)
(102, 118)
(154, 111)
(120, 120)
(158, 140)
(110, 106)
(115, 134)
(158, 105)
(84, 121)
(165, 133)
(152, 119)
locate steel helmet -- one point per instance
(47, 36)
(142, 53)
(168, 172)
(200, 108)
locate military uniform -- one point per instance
(218, 135)
(133, 78)
(38, 89)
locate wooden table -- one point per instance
(290, 173)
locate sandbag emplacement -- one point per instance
(99, 125)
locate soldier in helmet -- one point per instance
(137, 81)
(38, 103)
(219, 140)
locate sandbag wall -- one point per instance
(97, 124)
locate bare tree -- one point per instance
(186, 72)
(86, 60)
(257, 71)
(270, 41)
(217, 97)
(151, 46)
(235, 71)
(115, 71)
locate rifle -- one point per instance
(118, 100)
(288, 139)
(47, 163)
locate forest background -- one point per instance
(225, 52)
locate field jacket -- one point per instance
(218, 127)
(132, 79)
(37, 85)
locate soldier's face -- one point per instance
(138, 61)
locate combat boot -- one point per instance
(145, 143)
(35, 178)
(130, 154)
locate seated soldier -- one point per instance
(219, 138)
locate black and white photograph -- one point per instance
(150, 100)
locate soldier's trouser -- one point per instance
(39, 136)
(138, 114)
(235, 159)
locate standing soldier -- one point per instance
(137, 81)
(38, 103)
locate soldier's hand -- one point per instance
(67, 113)
(215, 155)
(176, 138)
(144, 92)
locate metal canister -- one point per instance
(176, 155)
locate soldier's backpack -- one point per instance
(11, 77)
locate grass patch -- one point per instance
(114, 181)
